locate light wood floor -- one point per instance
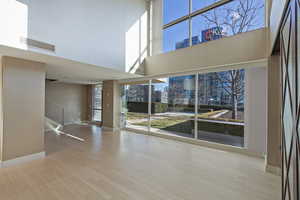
(130, 166)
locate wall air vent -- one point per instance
(51, 80)
(37, 44)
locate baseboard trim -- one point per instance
(105, 128)
(273, 169)
(23, 159)
(78, 123)
(203, 143)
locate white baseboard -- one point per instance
(105, 128)
(77, 122)
(22, 159)
(273, 169)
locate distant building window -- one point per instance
(208, 20)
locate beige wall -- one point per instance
(23, 95)
(244, 47)
(256, 109)
(111, 104)
(274, 88)
(274, 110)
(1, 109)
(156, 27)
(68, 100)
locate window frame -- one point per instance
(197, 12)
(200, 11)
(150, 82)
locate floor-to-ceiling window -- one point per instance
(173, 105)
(134, 111)
(221, 107)
(204, 106)
(97, 103)
(191, 22)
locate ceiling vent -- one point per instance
(37, 44)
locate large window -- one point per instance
(206, 106)
(97, 103)
(209, 20)
(200, 4)
(173, 105)
(221, 107)
(171, 11)
(178, 32)
(134, 112)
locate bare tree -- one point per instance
(233, 18)
(232, 82)
(236, 17)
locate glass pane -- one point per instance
(176, 37)
(173, 105)
(229, 19)
(174, 9)
(97, 114)
(134, 112)
(221, 107)
(97, 97)
(288, 120)
(199, 4)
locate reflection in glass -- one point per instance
(97, 115)
(173, 105)
(176, 37)
(229, 19)
(221, 107)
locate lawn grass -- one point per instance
(186, 126)
(180, 125)
(135, 116)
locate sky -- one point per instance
(173, 9)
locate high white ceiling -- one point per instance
(65, 70)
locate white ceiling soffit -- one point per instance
(65, 70)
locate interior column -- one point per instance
(22, 106)
(111, 104)
(274, 119)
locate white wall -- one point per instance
(256, 109)
(89, 31)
